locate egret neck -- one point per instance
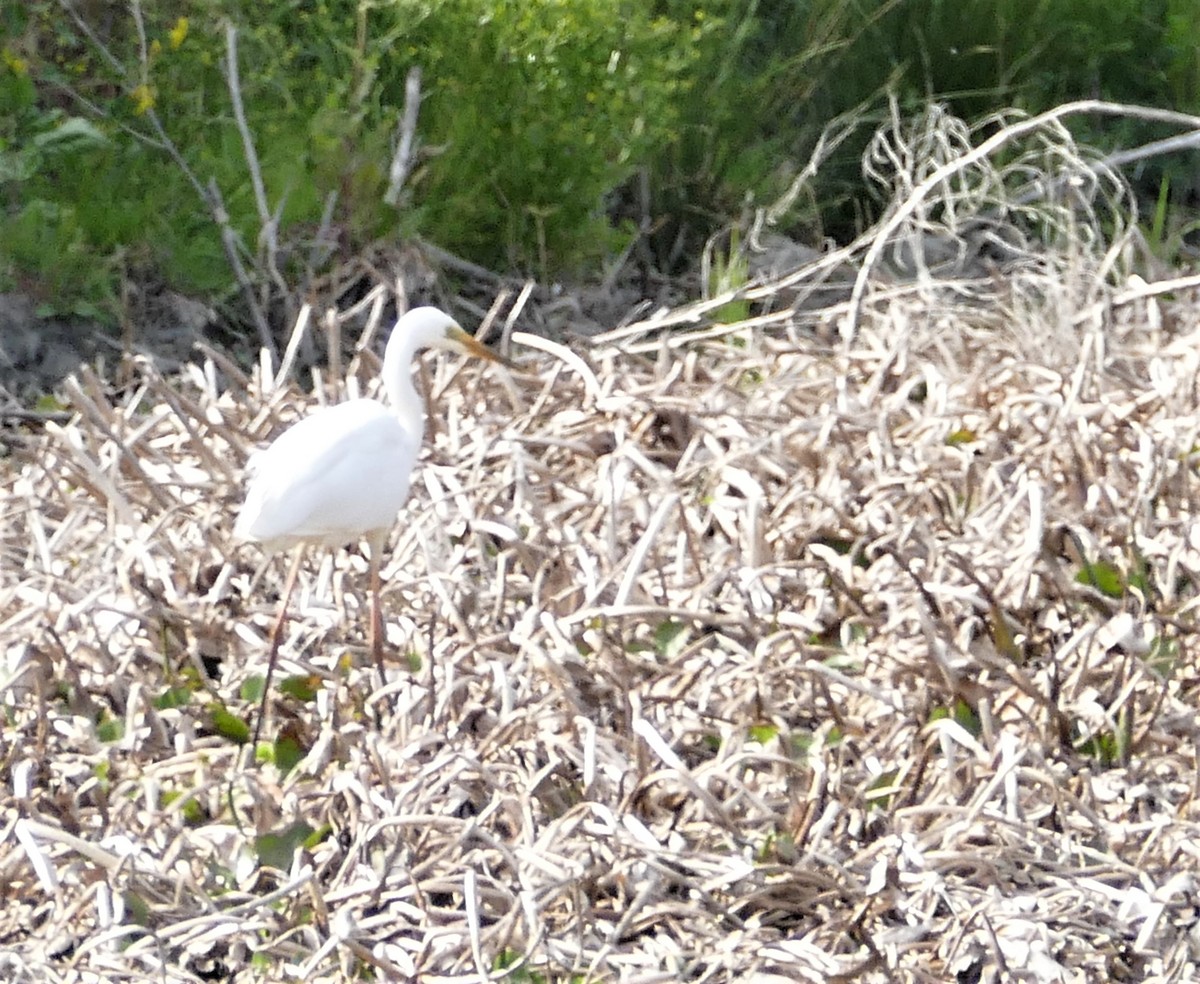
(397, 380)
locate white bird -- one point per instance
(342, 473)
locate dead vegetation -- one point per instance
(853, 641)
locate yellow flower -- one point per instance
(19, 65)
(155, 48)
(178, 33)
(143, 98)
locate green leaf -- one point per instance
(75, 134)
(843, 546)
(1104, 577)
(110, 729)
(318, 836)
(510, 961)
(1003, 635)
(882, 788)
(1103, 747)
(192, 811)
(505, 959)
(1163, 656)
(778, 847)
(962, 714)
(252, 688)
(49, 403)
(228, 725)
(277, 848)
(303, 687)
(963, 435)
(800, 743)
(1139, 576)
(749, 379)
(1158, 226)
(286, 752)
(137, 909)
(763, 733)
(172, 698)
(669, 638)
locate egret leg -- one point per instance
(276, 633)
(375, 544)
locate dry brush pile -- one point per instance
(848, 642)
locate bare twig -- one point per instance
(406, 144)
(229, 239)
(458, 264)
(882, 235)
(268, 222)
(239, 114)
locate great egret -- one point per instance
(342, 473)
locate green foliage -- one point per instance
(287, 752)
(962, 714)
(518, 971)
(1107, 748)
(779, 847)
(531, 116)
(226, 724)
(252, 688)
(138, 909)
(1102, 576)
(303, 687)
(109, 728)
(276, 848)
(670, 637)
(1163, 657)
(191, 810)
(534, 118)
(1006, 635)
(45, 249)
(882, 789)
(173, 697)
(728, 271)
(543, 109)
(83, 198)
(763, 733)
(48, 255)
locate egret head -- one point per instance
(429, 327)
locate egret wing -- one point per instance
(337, 474)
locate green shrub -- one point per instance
(48, 257)
(532, 115)
(45, 249)
(544, 109)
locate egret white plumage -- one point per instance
(342, 473)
